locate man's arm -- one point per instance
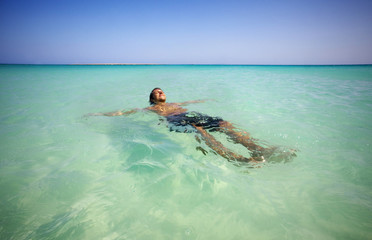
(119, 113)
(112, 114)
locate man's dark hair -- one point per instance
(151, 98)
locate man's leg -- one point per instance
(219, 148)
(258, 152)
(239, 137)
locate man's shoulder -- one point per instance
(152, 107)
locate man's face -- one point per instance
(159, 95)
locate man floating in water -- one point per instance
(180, 120)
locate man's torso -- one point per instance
(167, 109)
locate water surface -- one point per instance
(64, 176)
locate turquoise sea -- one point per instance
(66, 176)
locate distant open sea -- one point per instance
(66, 176)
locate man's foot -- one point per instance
(277, 154)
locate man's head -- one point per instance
(157, 95)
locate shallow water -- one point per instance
(65, 176)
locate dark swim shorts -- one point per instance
(184, 122)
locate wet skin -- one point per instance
(162, 108)
(168, 109)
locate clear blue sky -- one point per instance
(186, 31)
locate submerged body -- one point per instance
(180, 120)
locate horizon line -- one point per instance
(181, 64)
